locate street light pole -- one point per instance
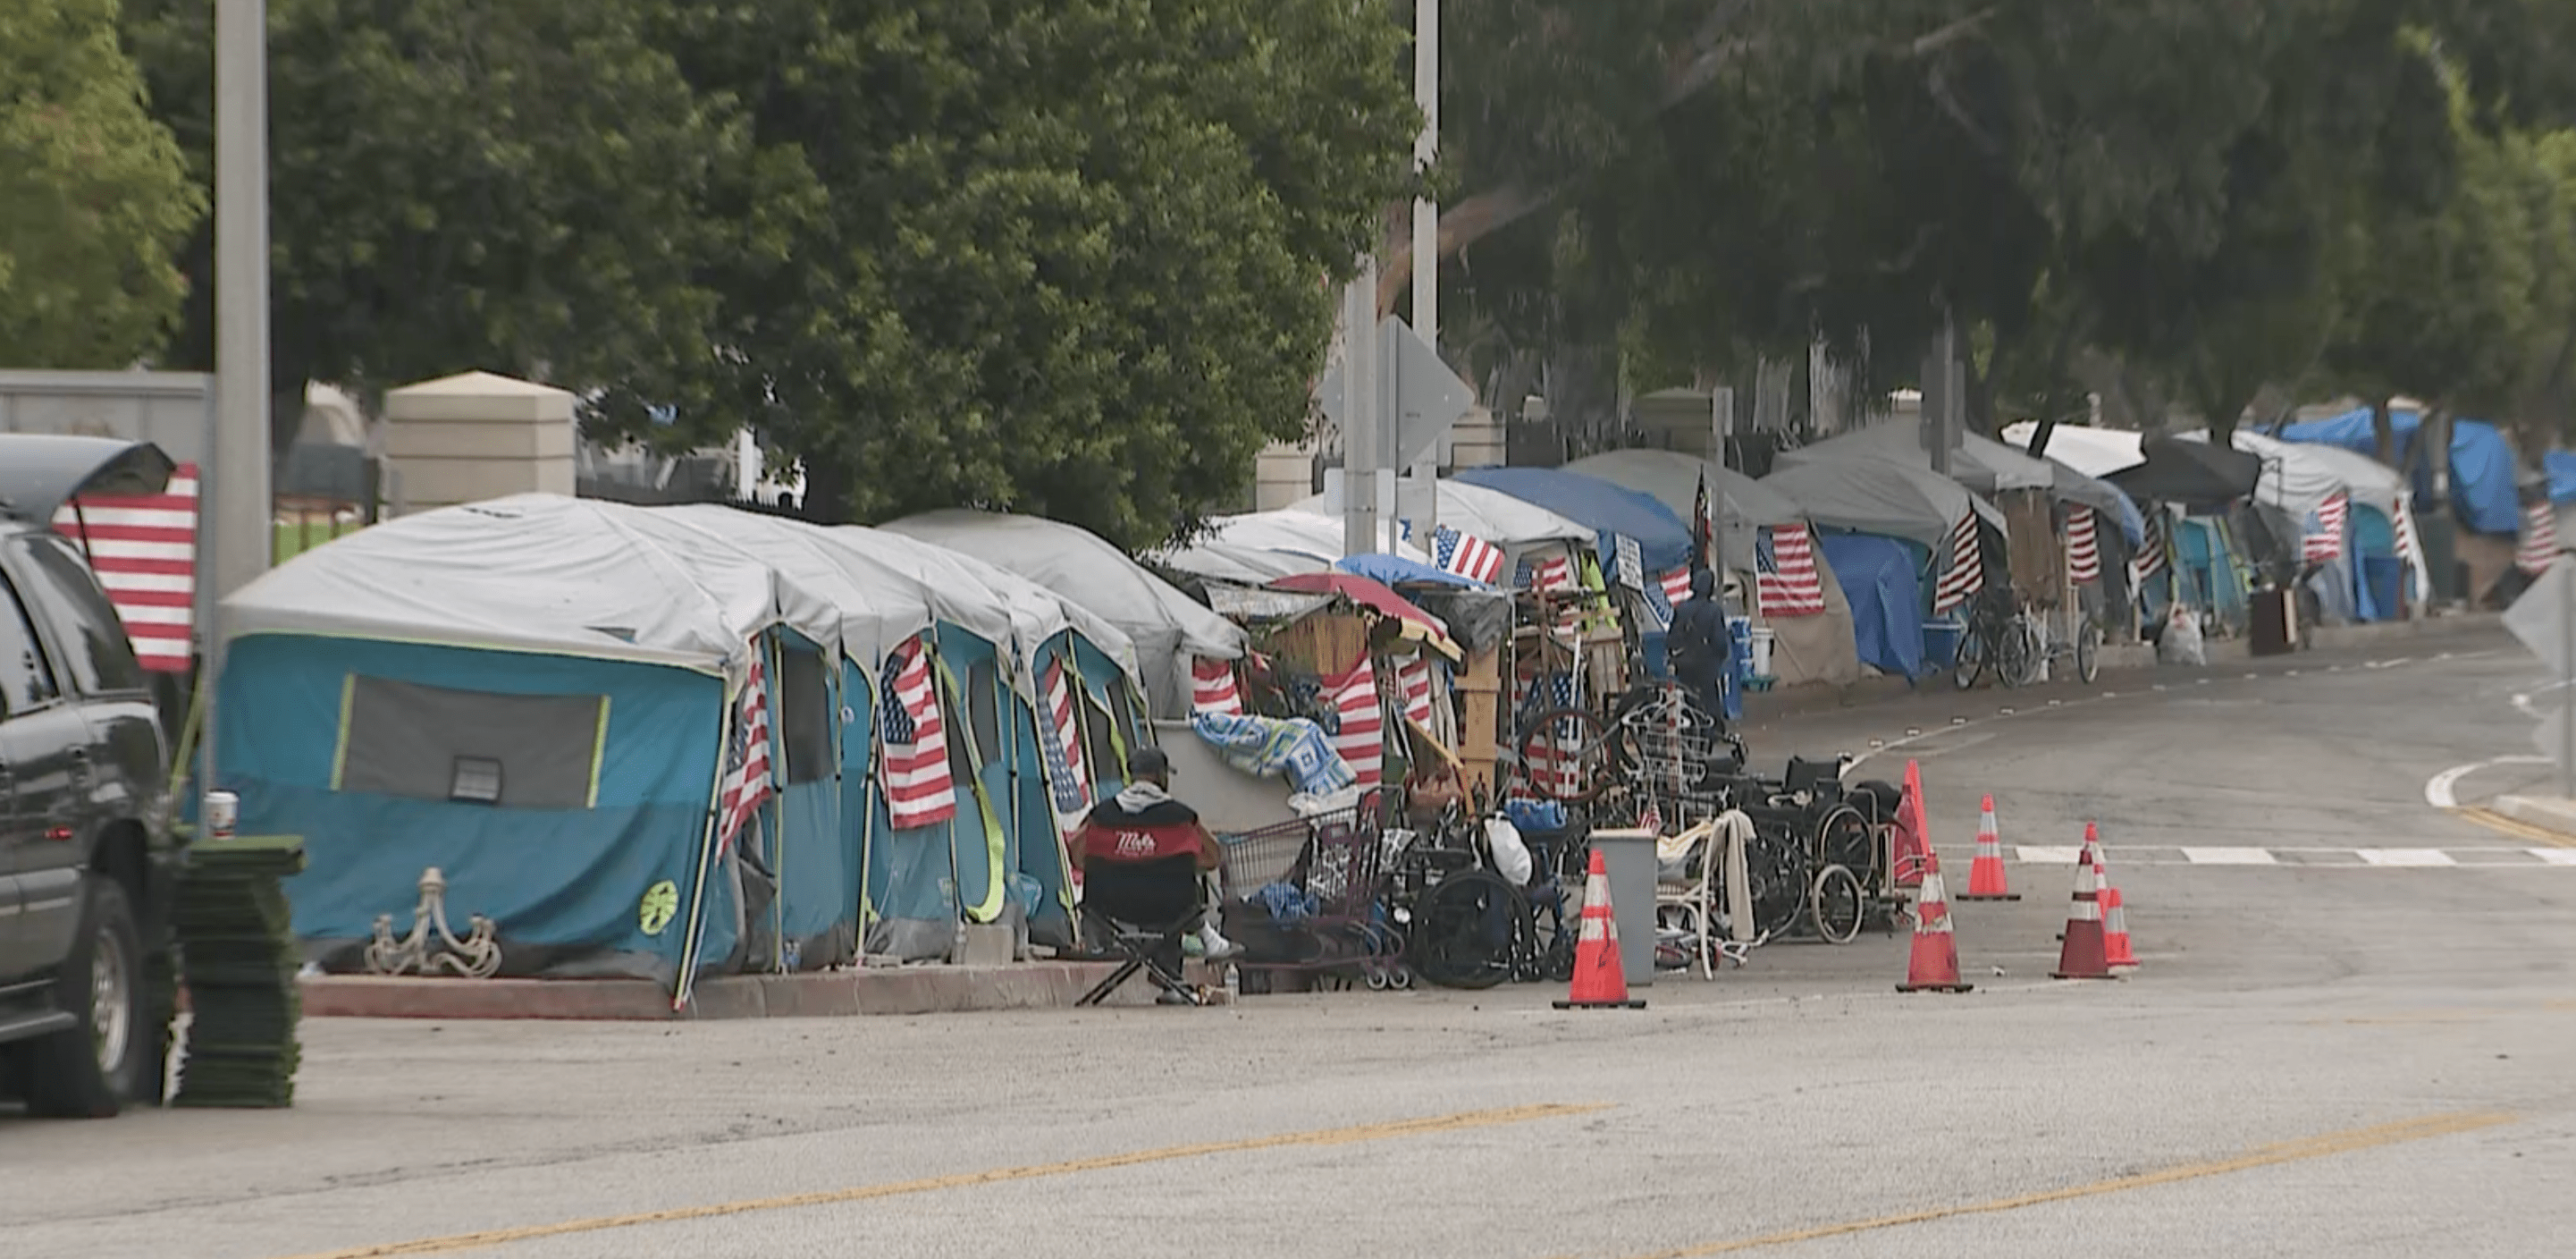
(235, 515)
(1426, 230)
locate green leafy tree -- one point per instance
(93, 196)
(1071, 257)
(521, 186)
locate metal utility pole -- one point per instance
(1941, 396)
(1360, 438)
(234, 517)
(1426, 229)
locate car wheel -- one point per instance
(93, 1069)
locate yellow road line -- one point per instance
(862, 1193)
(2498, 822)
(2347, 1142)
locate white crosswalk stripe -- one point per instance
(2230, 857)
(2407, 857)
(2293, 858)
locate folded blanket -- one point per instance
(1267, 747)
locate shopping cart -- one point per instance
(1302, 897)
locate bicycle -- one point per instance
(2085, 647)
(1658, 743)
(2000, 637)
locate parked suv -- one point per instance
(87, 864)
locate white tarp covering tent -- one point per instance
(1167, 627)
(1256, 548)
(2095, 452)
(1241, 565)
(1814, 648)
(1498, 518)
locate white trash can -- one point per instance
(1762, 639)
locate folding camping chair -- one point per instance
(1141, 911)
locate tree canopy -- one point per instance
(93, 196)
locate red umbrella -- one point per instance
(1417, 624)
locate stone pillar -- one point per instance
(464, 439)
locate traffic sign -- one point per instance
(1429, 397)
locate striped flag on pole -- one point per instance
(1212, 687)
(746, 777)
(2083, 545)
(1068, 779)
(1548, 576)
(144, 550)
(1466, 554)
(1413, 682)
(1966, 574)
(1361, 738)
(2539, 538)
(920, 791)
(1784, 561)
(2323, 540)
(1676, 586)
(1554, 764)
(2150, 558)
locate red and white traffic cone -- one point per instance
(1934, 965)
(1600, 975)
(1986, 880)
(1913, 838)
(2116, 951)
(2081, 956)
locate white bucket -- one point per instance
(221, 812)
(1762, 652)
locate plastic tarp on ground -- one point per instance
(1663, 541)
(1877, 575)
(1168, 627)
(2483, 480)
(1863, 495)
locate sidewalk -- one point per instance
(824, 994)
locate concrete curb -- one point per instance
(2545, 812)
(826, 994)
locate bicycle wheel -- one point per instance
(2013, 655)
(2088, 652)
(1466, 929)
(2034, 652)
(1836, 904)
(1971, 661)
(1565, 756)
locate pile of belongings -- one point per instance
(238, 959)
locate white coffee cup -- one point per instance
(221, 811)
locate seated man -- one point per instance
(1142, 853)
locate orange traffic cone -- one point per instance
(1934, 967)
(1600, 976)
(1986, 874)
(2116, 951)
(2081, 957)
(1913, 839)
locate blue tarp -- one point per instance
(1663, 541)
(2482, 471)
(1387, 570)
(1877, 575)
(2561, 467)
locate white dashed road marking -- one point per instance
(2407, 857)
(2230, 857)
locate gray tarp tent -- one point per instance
(1168, 627)
(1881, 496)
(1804, 648)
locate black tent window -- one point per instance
(805, 715)
(434, 743)
(984, 708)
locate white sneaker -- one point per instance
(1215, 947)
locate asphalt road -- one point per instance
(2320, 1056)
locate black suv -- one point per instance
(87, 863)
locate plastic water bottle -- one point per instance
(1233, 984)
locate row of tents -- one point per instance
(662, 741)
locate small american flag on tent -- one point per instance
(1548, 576)
(1784, 559)
(2150, 558)
(2539, 539)
(1465, 554)
(1361, 738)
(1966, 574)
(1553, 755)
(1651, 818)
(1413, 682)
(920, 790)
(746, 776)
(1068, 782)
(2323, 539)
(2083, 545)
(1676, 585)
(1212, 687)
(144, 549)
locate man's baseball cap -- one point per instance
(1147, 762)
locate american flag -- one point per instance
(920, 791)
(2083, 547)
(1067, 779)
(746, 776)
(1676, 586)
(1413, 682)
(1465, 554)
(1784, 561)
(2539, 539)
(1361, 738)
(144, 549)
(1966, 574)
(1547, 576)
(1212, 688)
(2323, 540)
(1554, 765)
(2150, 558)
(1651, 818)
(2404, 526)
(1702, 527)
